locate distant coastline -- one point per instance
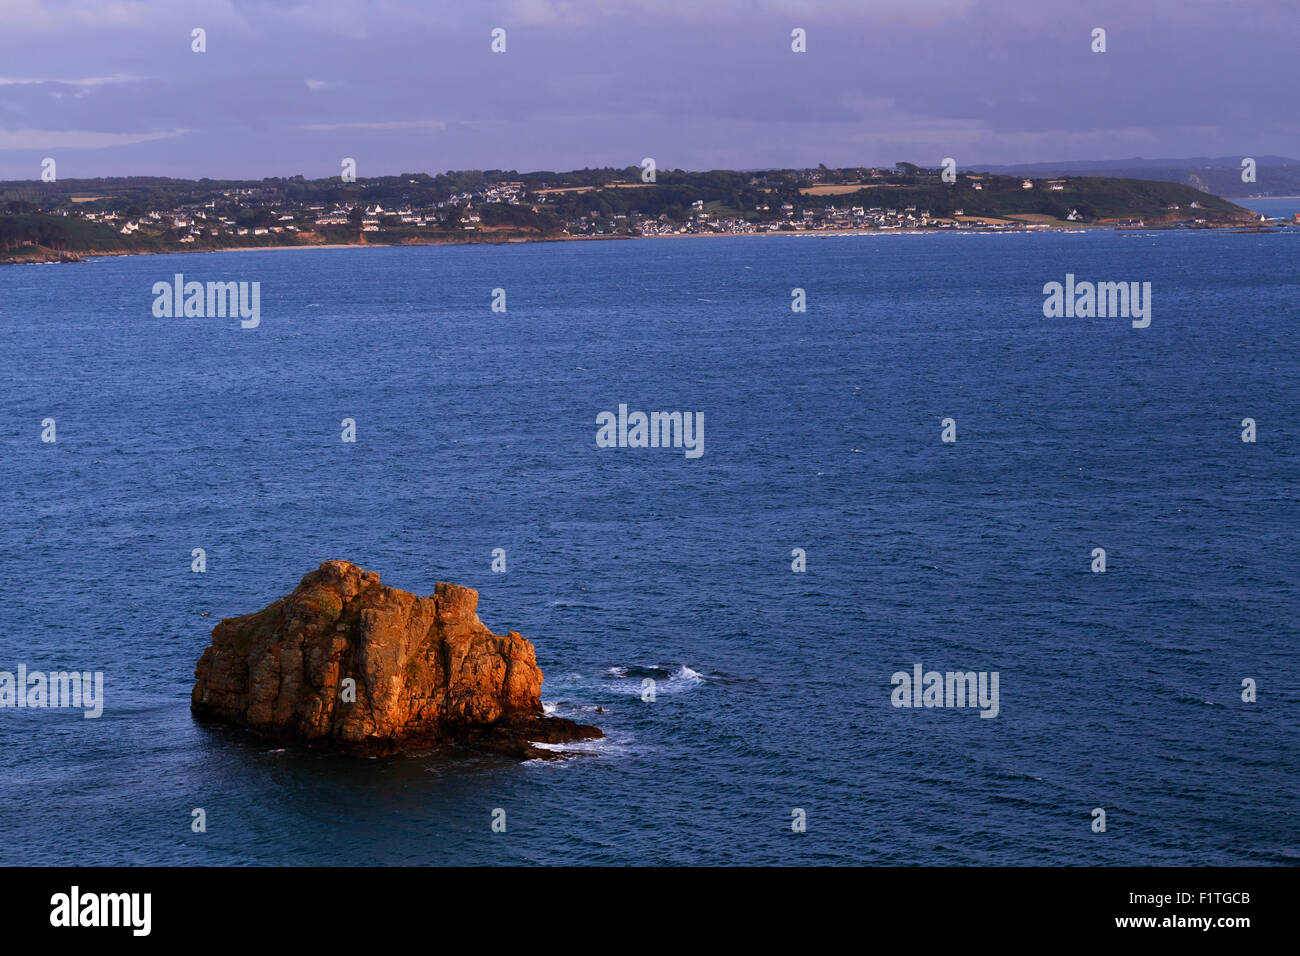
(56, 257)
(50, 256)
(87, 255)
(69, 221)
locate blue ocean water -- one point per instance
(476, 430)
(1275, 207)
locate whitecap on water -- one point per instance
(668, 680)
(602, 747)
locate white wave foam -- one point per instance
(628, 679)
(685, 673)
(601, 747)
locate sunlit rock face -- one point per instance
(347, 662)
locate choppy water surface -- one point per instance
(476, 430)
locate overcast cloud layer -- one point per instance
(112, 87)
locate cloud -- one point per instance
(706, 82)
(576, 12)
(34, 16)
(377, 124)
(88, 82)
(78, 139)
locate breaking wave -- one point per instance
(667, 680)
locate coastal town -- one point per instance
(140, 214)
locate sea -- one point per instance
(1272, 207)
(737, 622)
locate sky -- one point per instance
(287, 87)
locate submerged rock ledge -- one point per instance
(348, 663)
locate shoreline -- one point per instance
(74, 257)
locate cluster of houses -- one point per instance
(254, 212)
(782, 218)
(193, 224)
(203, 222)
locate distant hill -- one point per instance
(42, 221)
(29, 233)
(1220, 176)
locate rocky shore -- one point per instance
(39, 256)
